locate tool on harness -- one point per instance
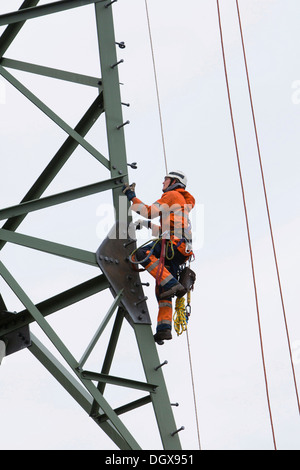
(187, 278)
(182, 312)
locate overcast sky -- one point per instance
(223, 328)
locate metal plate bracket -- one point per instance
(113, 259)
(17, 339)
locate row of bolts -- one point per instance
(134, 166)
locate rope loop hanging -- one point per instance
(180, 317)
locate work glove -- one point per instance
(129, 191)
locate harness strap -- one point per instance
(161, 264)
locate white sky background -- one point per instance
(223, 329)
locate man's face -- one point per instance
(166, 183)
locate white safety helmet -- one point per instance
(178, 175)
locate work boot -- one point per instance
(177, 290)
(162, 335)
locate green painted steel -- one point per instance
(53, 116)
(86, 387)
(51, 72)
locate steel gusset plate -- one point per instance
(17, 339)
(113, 259)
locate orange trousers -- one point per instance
(150, 258)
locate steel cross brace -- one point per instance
(79, 393)
(68, 357)
(60, 122)
(35, 12)
(55, 303)
(58, 161)
(55, 199)
(52, 73)
(108, 102)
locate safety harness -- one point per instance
(187, 278)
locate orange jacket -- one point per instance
(173, 208)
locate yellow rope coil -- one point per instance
(179, 317)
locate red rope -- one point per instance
(247, 225)
(267, 205)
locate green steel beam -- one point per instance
(112, 416)
(128, 407)
(65, 378)
(58, 161)
(52, 73)
(120, 381)
(112, 96)
(74, 254)
(77, 391)
(13, 30)
(36, 12)
(38, 317)
(108, 102)
(60, 198)
(109, 355)
(160, 399)
(56, 303)
(68, 357)
(144, 335)
(101, 328)
(53, 116)
(72, 295)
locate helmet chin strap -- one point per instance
(169, 185)
(173, 185)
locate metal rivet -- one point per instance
(160, 365)
(122, 125)
(178, 430)
(110, 3)
(117, 63)
(121, 44)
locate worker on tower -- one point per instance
(163, 257)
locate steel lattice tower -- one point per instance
(114, 272)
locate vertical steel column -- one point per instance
(111, 94)
(117, 155)
(160, 400)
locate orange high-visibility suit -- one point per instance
(173, 209)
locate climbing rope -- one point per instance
(267, 204)
(247, 222)
(166, 166)
(132, 257)
(180, 317)
(182, 313)
(156, 86)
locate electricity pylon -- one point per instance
(115, 274)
